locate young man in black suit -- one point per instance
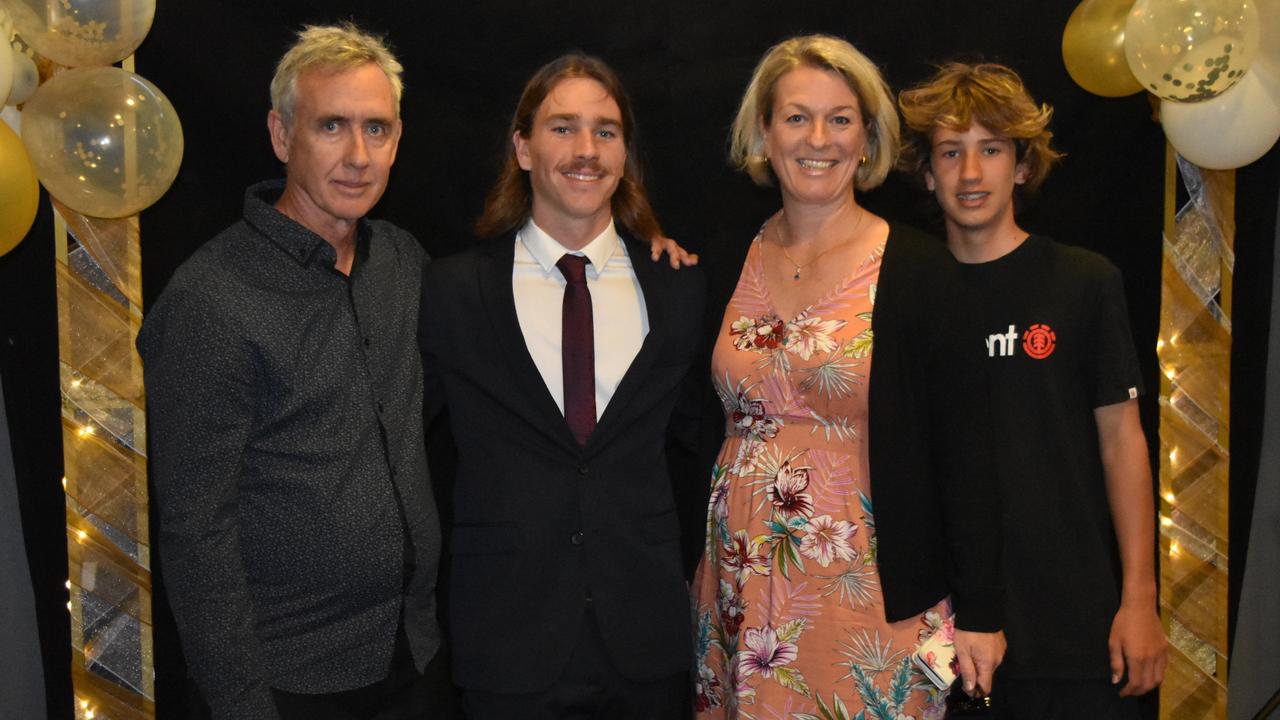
(561, 353)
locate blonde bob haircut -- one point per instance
(824, 52)
(330, 49)
(960, 94)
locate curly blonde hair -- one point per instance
(823, 52)
(992, 95)
(331, 48)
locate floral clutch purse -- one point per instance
(936, 657)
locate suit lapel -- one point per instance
(656, 300)
(500, 305)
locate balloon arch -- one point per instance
(105, 143)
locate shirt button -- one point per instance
(576, 538)
(368, 342)
(583, 469)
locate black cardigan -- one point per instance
(933, 483)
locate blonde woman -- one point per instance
(846, 518)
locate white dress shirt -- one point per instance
(618, 315)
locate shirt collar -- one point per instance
(292, 237)
(547, 251)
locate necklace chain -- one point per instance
(782, 243)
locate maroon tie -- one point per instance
(577, 348)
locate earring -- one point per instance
(863, 161)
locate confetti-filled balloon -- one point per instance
(1269, 17)
(19, 189)
(105, 142)
(1093, 48)
(1191, 50)
(1231, 130)
(78, 33)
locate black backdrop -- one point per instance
(685, 64)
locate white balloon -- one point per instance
(6, 68)
(10, 115)
(26, 78)
(1231, 130)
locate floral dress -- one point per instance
(789, 615)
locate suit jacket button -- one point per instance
(576, 538)
(583, 469)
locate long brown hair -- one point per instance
(510, 201)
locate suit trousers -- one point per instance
(590, 688)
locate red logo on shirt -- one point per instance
(1039, 341)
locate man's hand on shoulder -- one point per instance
(979, 654)
(676, 255)
(1137, 643)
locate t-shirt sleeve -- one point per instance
(1114, 372)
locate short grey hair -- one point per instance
(331, 48)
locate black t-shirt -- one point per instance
(1056, 330)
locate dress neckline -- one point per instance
(835, 290)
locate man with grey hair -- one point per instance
(298, 533)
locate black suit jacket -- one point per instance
(541, 522)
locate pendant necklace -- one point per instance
(782, 243)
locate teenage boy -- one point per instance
(1084, 637)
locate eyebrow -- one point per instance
(574, 117)
(346, 118)
(984, 141)
(806, 108)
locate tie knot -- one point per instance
(573, 268)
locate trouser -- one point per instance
(590, 688)
(403, 695)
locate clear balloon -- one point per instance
(26, 78)
(1231, 130)
(1269, 17)
(78, 33)
(1093, 48)
(1191, 50)
(19, 189)
(105, 142)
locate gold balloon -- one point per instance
(19, 190)
(1093, 48)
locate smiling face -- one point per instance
(815, 136)
(575, 155)
(973, 174)
(338, 148)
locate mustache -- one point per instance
(588, 166)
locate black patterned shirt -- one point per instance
(288, 459)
